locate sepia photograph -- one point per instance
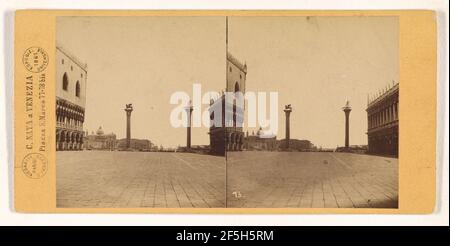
(217, 114)
(336, 144)
(116, 146)
(227, 112)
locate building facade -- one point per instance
(259, 141)
(227, 134)
(100, 141)
(383, 122)
(71, 79)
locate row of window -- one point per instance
(384, 116)
(65, 85)
(71, 67)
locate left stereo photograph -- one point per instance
(124, 114)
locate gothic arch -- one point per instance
(77, 89)
(65, 82)
(236, 87)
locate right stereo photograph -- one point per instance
(317, 126)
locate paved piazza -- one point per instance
(139, 179)
(311, 179)
(255, 179)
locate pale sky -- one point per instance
(314, 65)
(143, 60)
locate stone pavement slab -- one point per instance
(311, 180)
(139, 179)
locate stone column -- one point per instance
(128, 110)
(287, 111)
(347, 110)
(189, 110)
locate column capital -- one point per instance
(129, 108)
(287, 109)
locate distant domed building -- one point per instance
(383, 122)
(100, 131)
(71, 80)
(100, 140)
(260, 141)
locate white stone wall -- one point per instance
(235, 74)
(75, 72)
